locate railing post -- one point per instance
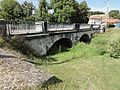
(77, 26)
(45, 26)
(91, 27)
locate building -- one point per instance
(101, 19)
(97, 19)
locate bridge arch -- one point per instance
(85, 38)
(60, 45)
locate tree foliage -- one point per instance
(113, 13)
(69, 11)
(95, 13)
(13, 10)
(84, 12)
(42, 12)
(64, 11)
(27, 9)
(8, 7)
(17, 11)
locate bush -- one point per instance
(114, 48)
(2, 42)
(111, 26)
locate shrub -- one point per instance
(114, 48)
(111, 26)
(2, 42)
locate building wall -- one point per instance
(95, 21)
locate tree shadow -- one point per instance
(50, 61)
(62, 62)
(43, 60)
(51, 81)
(48, 58)
(6, 56)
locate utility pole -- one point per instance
(107, 12)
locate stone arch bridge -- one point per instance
(46, 38)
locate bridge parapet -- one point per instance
(14, 28)
(60, 27)
(85, 26)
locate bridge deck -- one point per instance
(53, 33)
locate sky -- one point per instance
(95, 5)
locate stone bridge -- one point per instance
(46, 38)
(55, 42)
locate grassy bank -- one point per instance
(86, 67)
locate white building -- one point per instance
(97, 19)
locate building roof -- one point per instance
(113, 21)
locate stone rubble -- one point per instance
(16, 73)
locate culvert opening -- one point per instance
(85, 39)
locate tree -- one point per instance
(84, 12)
(63, 10)
(69, 11)
(114, 13)
(42, 12)
(18, 12)
(95, 13)
(27, 9)
(118, 16)
(8, 7)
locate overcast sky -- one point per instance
(93, 4)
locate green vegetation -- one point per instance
(93, 66)
(86, 66)
(95, 13)
(69, 11)
(16, 43)
(13, 10)
(63, 11)
(115, 14)
(114, 48)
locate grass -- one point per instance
(85, 66)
